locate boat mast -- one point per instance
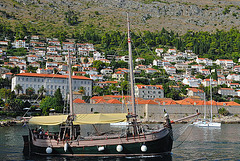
(204, 117)
(131, 68)
(211, 97)
(71, 116)
(70, 84)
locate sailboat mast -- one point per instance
(131, 67)
(70, 84)
(211, 97)
(205, 109)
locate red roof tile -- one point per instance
(78, 100)
(51, 76)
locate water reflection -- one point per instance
(194, 144)
(165, 157)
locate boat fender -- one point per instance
(66, 147)
(143, 148)
(49, 150)
(119, 148)
(101, 148)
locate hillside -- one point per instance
(47, 16)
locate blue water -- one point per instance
(194, 144)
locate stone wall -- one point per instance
(152, 113)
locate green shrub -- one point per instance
(223, 111)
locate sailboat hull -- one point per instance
(150, 144)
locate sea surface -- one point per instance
(193, 144)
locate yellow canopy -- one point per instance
(48, 120)
(100, 118)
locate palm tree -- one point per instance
(81, 90)
(30, 91)
(18, 88)
(41, 91)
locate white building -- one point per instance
(159, 51)
(51, 82)
(235, 77)
(172, 51)
(227, 92)
(236, 68)
(97, 55)
(195, 92)
(192, 82)
(197, 67)
(149, 91)
(96, 77)
(227, 63)
(20, 44)
(206, 61)
(205, 71)
(32, 58)
(106, 71)
(170, 70)
(206, 82)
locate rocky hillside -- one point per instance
(177, 15)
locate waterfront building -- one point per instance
(51, 82)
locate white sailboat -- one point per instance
(205, 122)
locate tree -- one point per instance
(47, 103)
(124, 87)
(97, 91)
(6, 94)
(59, 101)
(81, 90)
(15, 105)
(30, 91)
(41, 91)
(18, 88)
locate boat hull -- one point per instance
(156, 143)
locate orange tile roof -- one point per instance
(97, 97)
(114, 101)
(226, 89)
(142, 86)
(196, 90)
(51, 76)
(78, 100)
(147, 102)
(165, 101)
(100, 101)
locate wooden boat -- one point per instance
(135, 141)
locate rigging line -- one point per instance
(184, 139)
(183, 132)
(135, 49)
(115, 53)
(146, 44)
